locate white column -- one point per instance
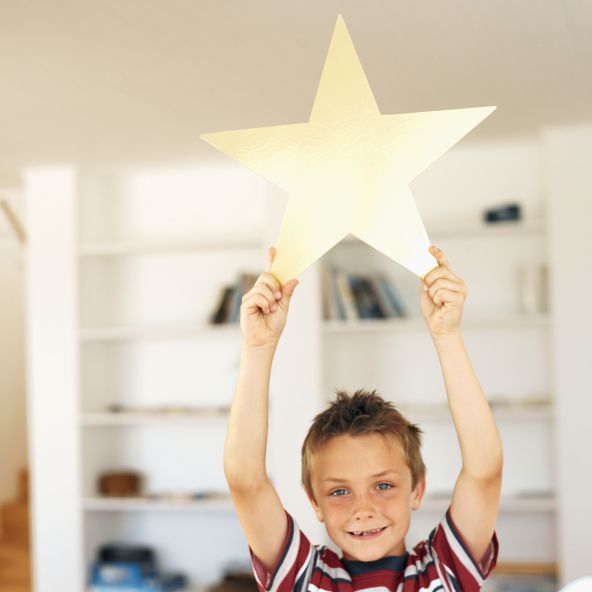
(567, 154)
(52, 332)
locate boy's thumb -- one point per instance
(289, 288)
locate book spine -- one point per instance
(382, 299)
(336, 301)
(392, 297)
(374, 310)
(222, 311)
(235, 303)
(346, 294)
(327, 298)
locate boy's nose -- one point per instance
(363, 508)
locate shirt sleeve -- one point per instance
(459, 568)
(292, 565)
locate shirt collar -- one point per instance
(391, 563)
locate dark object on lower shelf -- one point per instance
(506, 213)
(144, 556)
(238, 581)
(131, 568)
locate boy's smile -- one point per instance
(363, 494)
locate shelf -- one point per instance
(514, 411)
(116, 249)
(406, 324)
(526, 504)
(171, 332)
(122, 504)
(456, 230)
(149, 419)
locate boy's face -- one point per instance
(363, 483)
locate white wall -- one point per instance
(13, 436)
(568, 171)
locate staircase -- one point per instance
(15, 562)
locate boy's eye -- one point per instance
(388, 486)
(336, 492)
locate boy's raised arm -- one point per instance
(261, 514)
(475, 500)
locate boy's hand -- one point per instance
(442, 297)
(264, 308)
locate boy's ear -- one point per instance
(315, 507)
(418, 493)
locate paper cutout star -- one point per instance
(348, 168)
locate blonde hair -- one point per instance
(360, 414)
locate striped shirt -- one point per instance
(442, 562)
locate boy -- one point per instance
(362, 468)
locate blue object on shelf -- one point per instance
(130, 576)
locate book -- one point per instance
(347, 296)
(336, 303)
(243, 284)
(235, 304)
(222, 309)
(389, 297)
(366, 299)
(327, 302)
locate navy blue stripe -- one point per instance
(454, 582)
(389, 563)
(285, 551)
(302, 583)
(460, 542)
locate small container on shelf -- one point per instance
(120, 484)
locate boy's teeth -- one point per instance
(366, 532)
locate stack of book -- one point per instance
(227, 309)
(349, 296)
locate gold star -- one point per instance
(348, 168)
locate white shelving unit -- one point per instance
(511, 352)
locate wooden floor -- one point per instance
(15, 560)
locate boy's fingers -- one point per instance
(290, 287)
(443, 296)
(265, 291)
(270, 280)
(439, 255)
(441, 272)
(259, 301)
(446, 284)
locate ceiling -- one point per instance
(137, 81)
